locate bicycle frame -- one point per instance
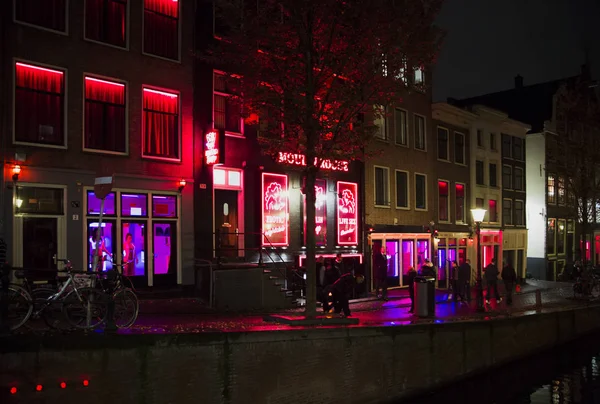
(55, 297)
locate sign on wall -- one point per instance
(275, 217)
(320, 213)
(300, 160)
(213, 147)
(347, 213)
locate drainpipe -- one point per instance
(4, 80)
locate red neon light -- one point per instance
(347, 213)
(149, 90)
(39, 387)
(39, 68)
(211, 149)
(105, 82)
(301, 258)
(86, 383)
(275, 218)
(13, 390)
(300, 160)
(63, 385)
(106, 91)
(320, 213)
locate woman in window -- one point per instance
(129, 258)
(99, 249)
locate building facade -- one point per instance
(89, 94)
(400, 183)
(454, 241)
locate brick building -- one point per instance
(94, 88)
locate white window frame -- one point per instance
(65, 106)
(382, 125)
(397, 126)
(437, 141)
(179, 124)
(127, 90)
(512, 212)
(464, 148)
(127, 28)
(415, 116)
(386, 190)
(179, 36)
(426, 192)
(448, 204)
(498, 211)
(27, 24)
(215, 92)
(408, 193)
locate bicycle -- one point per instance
(126, 308)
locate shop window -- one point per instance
(161, 28)
(164, 243)
(227, 113)
(493, 175)
(459, 148)
(40, 201)
(519, 213)
(442, 142)
(133, 235)
(105, 116)
(382, 181)
(106, 21)
(392, 254)
(422, 253)
(561, 191)
(518, 180)
(104, 247)
(561, 234)
(507, 211)
(164, 206)
(402, 190)
(551, 189)
(161, 124)
(551, 237)
(39, 105)
(93, 204)
(49, 14)
(401, 127)
(419, 123)
(479, 175)
(459, 190)
(443, 201)
(492, 211)
(420, 192)
(408, 255)
(275, 217)
(134, 205)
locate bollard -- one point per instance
(111, 326)
(538, 300)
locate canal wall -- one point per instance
(338, 365)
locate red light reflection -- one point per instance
(86, 383)
(13, 390)
(39, 387)
(63, 385)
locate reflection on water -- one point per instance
(570, 374)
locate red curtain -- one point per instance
(105, 21)
(39, 108)
(44, 13)
(161, 35)
(161, 124)
(105, 118)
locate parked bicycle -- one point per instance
(121, 288)
(587, 285)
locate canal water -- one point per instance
(569, 374)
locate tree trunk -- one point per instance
(584, 230)
(311, 273)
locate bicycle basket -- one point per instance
(83, 281)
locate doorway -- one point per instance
(134, 249)
(164, 244)
(391, 252)
(226, 222)
(40, 242)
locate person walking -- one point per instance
(509, 276)
(330, 276)
(491, 277)
(412, 273)
(340, 292)
(464, 279)
(380, 272)
(456, 287)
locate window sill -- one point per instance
(235, 134)
(123, 48)
(382, 140)
(421, 209)
(421, 150)
(164, 58)
(46, 146)
(107, 152)
(460, 164)
(161, 159)
(406, 146)
(383, 206)
(444, 161)
(54, 31)
(406, 208)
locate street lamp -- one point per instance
(478, 215)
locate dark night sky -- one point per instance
(488, 42)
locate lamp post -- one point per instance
(478, 215)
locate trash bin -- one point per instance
(424, 296)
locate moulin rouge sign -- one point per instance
(320, 213)
(212, 153)
(347, 213)
(300, 160)
(275, 209)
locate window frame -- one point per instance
(415, 116)
(240, 134)
(179, 124)
(127, 27)
(510, 176)
(493, 142)
(449, 218)
(447, 160)
(464, 148)
(522, 187)
(482, 183)
(464, 198)
(522, 216)
(425, 209)
(65, 72)
(479, 133)
(505, 136)
(508, 220)
(396, 126)
(179, 36)
(551, 199)
(490, 164)
(386, 126)
(522, 142)
(387, 202)
(28, 24)
(490, 211)
(408, 193)
(561, 180)
(83, 127)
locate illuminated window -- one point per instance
(419, 76)
(419, 123)
(160, 124)
(219, 177)
(442, 141)
(227, 178)
(443, 201)
(134, 205)
(49, 14)
(562, 197)
(234, 178)
(459, 148)
(460, 202)
(164, 206)
(93, 204)
(401, 127)
(161, 28)
(551, 189)
(39, 105)
(551, 237)
(106, 21)
(227, 113)
(380, 121)
(492, 211)
(561, 235)
(507, 211)
(105, 116)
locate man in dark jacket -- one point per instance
(339, 264)
(464, 279)
(412, 273)
(380, 273)
(509, 276)
(491, 277)
(340, 294)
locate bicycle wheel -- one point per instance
(52, 313)
(126, 308)
(85, 308)
(20, 307)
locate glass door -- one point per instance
(393, 258)
(133, 250)
(40, 242)
(442, 265)
(408, 259)
(105, 248)
(164, 243)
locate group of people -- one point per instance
(335, 283)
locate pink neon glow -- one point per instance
(320, 213)
(275, 225)
(161, 93)
(211, 149)
(39, 68)
(105, 82)
(301, 258)
(347, 213)
(300, 160)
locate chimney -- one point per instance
(518, 81)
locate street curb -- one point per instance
(300, 321)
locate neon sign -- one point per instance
(300, 160)
(211, 150)
(347, 213)
(320, 213)
(275, 209)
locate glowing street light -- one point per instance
(478, 215)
